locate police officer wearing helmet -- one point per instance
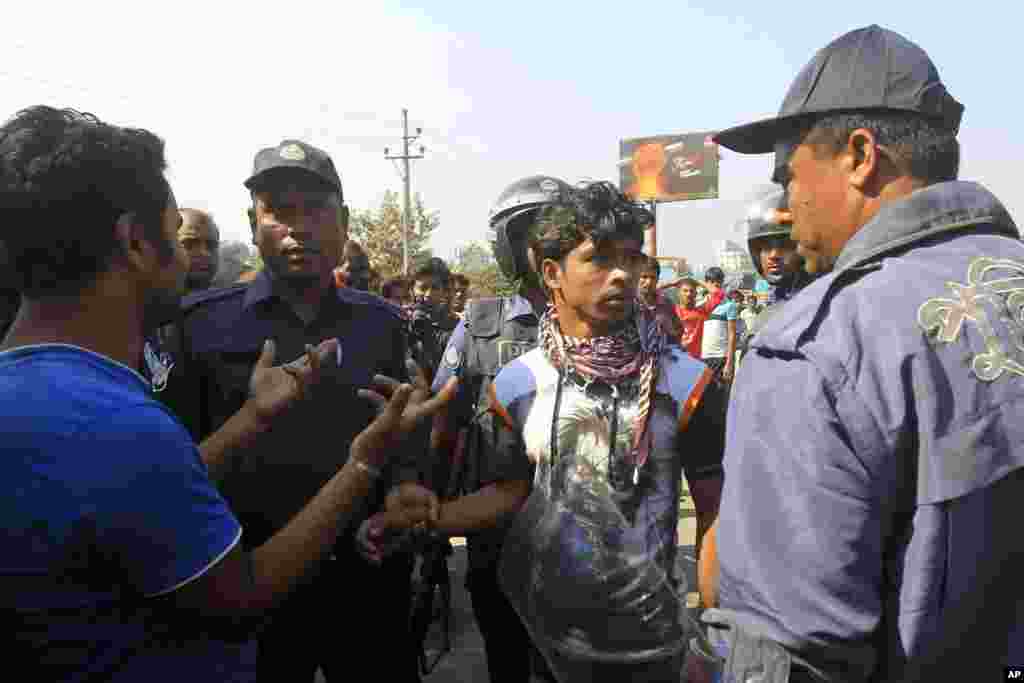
(773, 253)
(865, 528)
(492, 333)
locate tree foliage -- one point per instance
(476, 262)
(379, 232)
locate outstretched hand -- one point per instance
(273, 389)
(402, 407)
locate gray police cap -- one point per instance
(870, 68)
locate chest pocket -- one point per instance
(233, 370)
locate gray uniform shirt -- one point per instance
(878, 410)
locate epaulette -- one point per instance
(358, 297)
(193, 301)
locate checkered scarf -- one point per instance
(630, 354)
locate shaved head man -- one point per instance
(200, 238)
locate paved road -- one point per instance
(467, 661)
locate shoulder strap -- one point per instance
(190, 302)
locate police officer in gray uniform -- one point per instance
(493, 332)
(774, 255)
(867, 524)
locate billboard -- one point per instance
(669, 168)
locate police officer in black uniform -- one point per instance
(493, 332)
(300, 224)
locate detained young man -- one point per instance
(607, 387)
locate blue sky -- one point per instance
(502, 91)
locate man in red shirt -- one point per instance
(691, 318)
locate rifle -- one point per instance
(434, 580)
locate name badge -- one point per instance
(510, 350)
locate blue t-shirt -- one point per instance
(106, 505)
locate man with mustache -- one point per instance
(774, 253)
(299, 224)
(875, 454)
(199, 237)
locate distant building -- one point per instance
(732, 258)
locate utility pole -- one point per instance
(405, 157)
(651, 233)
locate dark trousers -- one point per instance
(352, 619)
(507, 643)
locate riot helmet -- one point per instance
(762, 220)
(513, 213)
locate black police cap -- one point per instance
(297, 155)
(871, 68)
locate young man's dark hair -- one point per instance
(459, 279)
(65, 179)
(597, 211)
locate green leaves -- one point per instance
(379, 231)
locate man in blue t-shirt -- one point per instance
(119, 560)
(718, 343)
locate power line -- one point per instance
(405, 157)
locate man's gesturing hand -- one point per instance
(402, 408)
(409, 506)
(273, 389)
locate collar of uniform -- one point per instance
(260, 289)
(932, 210)
(263, 288)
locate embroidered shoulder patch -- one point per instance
(995, 285)
(159, 365)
